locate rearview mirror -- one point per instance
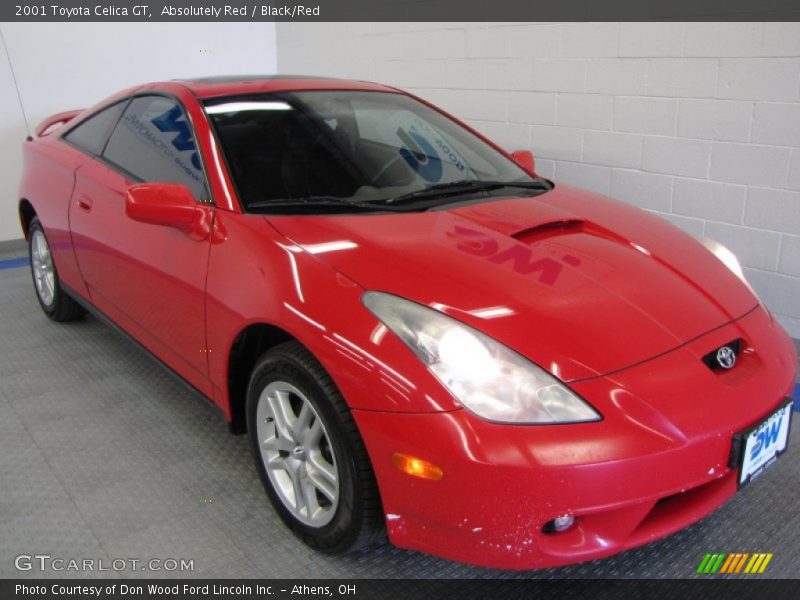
(170, 205)
(524, 158)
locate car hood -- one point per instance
(579, 283)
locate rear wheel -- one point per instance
(55, 303)
(309, 454)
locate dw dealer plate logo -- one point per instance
(734, 563)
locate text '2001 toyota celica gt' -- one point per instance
(418, 333)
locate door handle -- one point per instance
(84, 203)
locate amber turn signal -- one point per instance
(416, 467)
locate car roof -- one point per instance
(231, 85)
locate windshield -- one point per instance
(315, 151)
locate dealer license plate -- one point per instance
(762, 444)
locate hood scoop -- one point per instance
(560, 227)
(549, 229)
(542, 223)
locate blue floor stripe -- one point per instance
(796, 396)
(14, 263)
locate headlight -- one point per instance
(487, 378)
(727, 258)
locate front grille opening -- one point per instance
(675, 511)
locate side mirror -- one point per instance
(169, 205)
(524, 158)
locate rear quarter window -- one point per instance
(91, 134)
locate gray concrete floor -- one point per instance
(103, 455)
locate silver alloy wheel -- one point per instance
(297, 454)
(44, 276)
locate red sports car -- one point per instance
(417, 332)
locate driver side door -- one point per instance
(148, 279)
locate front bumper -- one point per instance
(656, 463)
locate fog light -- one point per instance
(417, 467)
(559, 524)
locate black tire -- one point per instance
(61, 307)
(358, 518)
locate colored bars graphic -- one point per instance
(735, 562)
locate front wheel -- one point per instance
(309, 454)
(55, 303)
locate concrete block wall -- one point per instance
(697, 122)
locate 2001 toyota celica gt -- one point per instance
(417, 332)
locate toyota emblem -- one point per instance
(726, 357)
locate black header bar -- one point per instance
(399, 10)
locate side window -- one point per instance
(153, 141)
(92, 133)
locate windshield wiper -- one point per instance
(465, 186)
(322, 201)
(432, 191)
